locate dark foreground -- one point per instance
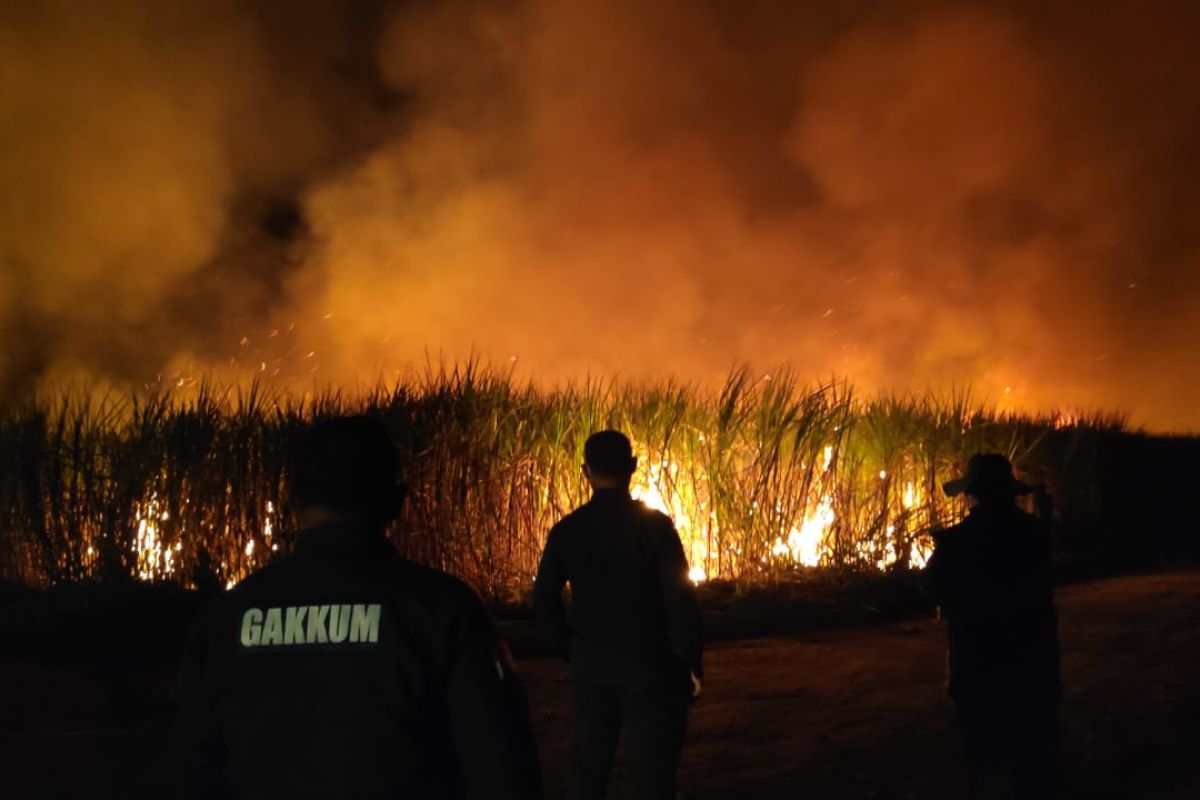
(854, 713)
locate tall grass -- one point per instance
(761, 476)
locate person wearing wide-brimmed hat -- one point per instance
(992, 577)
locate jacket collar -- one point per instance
(338, 535)
(609, 497)
(993, 508)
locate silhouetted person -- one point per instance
(991, 574)
(344, 670)
(632, 635)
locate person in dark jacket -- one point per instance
(632, 634)
(992, 576)
(344, 670)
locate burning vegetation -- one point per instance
(764, 477)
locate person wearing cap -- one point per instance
(344, 670)
(632, 635)
(992, 577)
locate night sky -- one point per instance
(910, 195)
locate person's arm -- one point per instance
(199, 750)
(679, 600)
(1041, 565)
(489, 717)
(931, 576)
(548, 594)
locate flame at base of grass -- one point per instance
(158, 560)
(806, 543)
(665, 487)
(759, 477)
(919, 553)
(661, 485)
(155, 558)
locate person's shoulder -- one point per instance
(1029, 524)
(1025, 518)
(1012, 517)
(574, 519)
(262, 579)
(432, 579)
(660, 526)
(953, 534)
(655, 518)
(439, 606)
(434, 587)
(964, 524)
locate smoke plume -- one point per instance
(999, 194)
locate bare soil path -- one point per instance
(851, 713)
(862, 713)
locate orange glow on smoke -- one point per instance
(938, 196)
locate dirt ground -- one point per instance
(851, 713)
(862, 713)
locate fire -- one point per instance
(919, 553)
(1066, 419)
(805, 538)
(155, 558)
(665, 485)
(662, 479)
(805, 543)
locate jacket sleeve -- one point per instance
(199, 751)
(679, 597)
(933, 575)
(489, 715)
(548, 594)
(1038, 587)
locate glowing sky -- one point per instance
(1000, 194)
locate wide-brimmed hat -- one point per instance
(988, 474)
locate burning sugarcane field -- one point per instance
(598, 398)
(763, 478)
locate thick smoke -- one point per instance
(996, 194)
(152, 154)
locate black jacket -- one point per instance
(992, 575)
(633, 616)
(345, 671)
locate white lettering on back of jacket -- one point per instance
(327, 624)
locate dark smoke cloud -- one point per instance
(146, 147)
(1000, 194)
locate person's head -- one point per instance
(608, 460)
(346, 467)
(989, 480)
